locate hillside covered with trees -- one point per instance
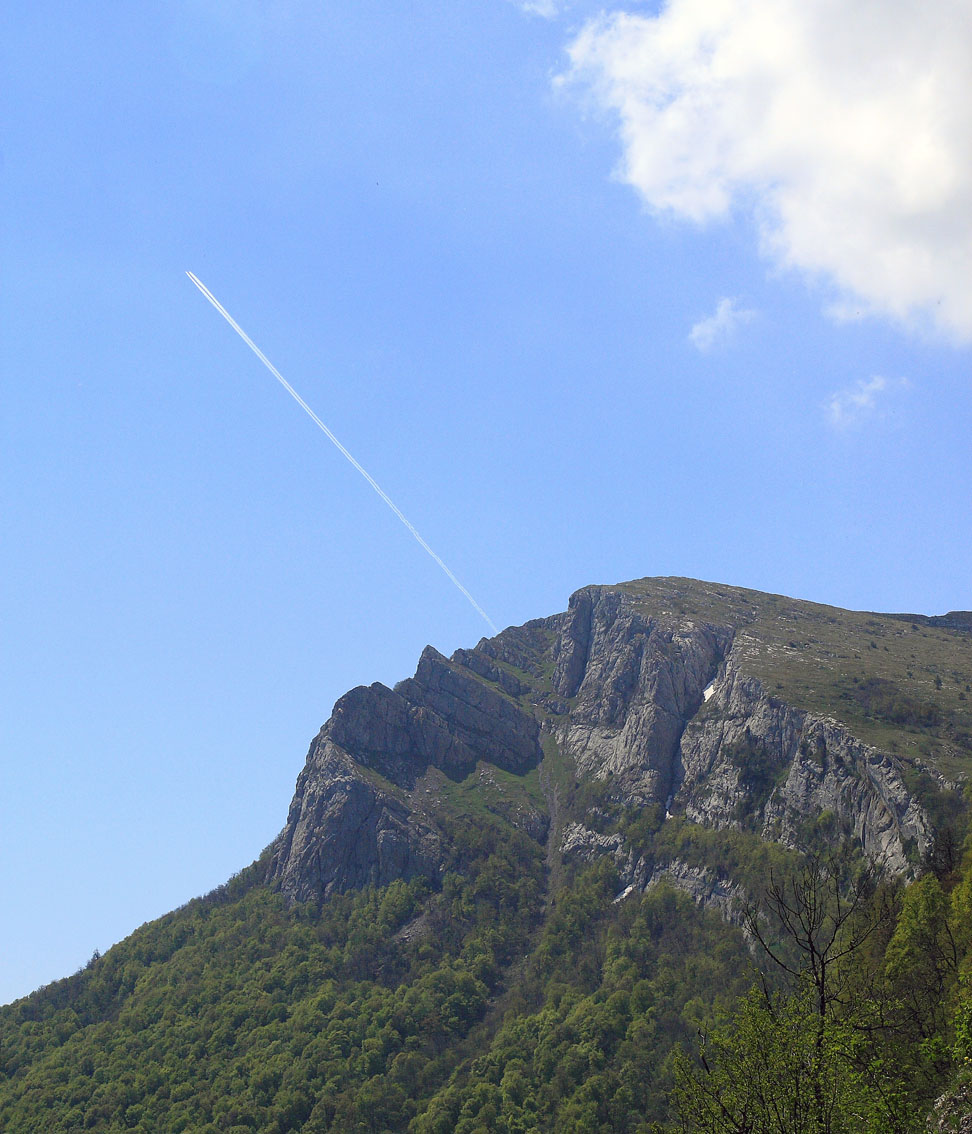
(684, 858)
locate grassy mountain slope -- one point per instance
(900, 682)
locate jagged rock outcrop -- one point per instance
(657, 705)
(345, 831)
(705, 887)
(635, 681)
(351, 822)
(442, 716)
(752, 761)
(581, 844)
(635, 875)
(952, 1112)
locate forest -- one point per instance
(783, 946)
(843, 1004)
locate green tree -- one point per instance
(772, 1070)
(802, 1060)
(921, 960)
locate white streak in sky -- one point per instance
(337, 444)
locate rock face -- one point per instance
(952, 1113)
(635, 874)
(442, 717)
(654, 705)
(635, 681)
(752, 761)
(351, 822)
(344, 831)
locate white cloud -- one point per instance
(548, 9)
(855, 404)
(720, 326)
(845, 126)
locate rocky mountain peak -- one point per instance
(661, 692)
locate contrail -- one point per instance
(337, 444)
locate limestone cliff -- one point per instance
(352, 821)
(751, 760)
(657, 692)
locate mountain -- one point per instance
(734, 709)
(509, 887)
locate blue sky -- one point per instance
(592, 294)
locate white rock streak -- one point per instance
(337, 444)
